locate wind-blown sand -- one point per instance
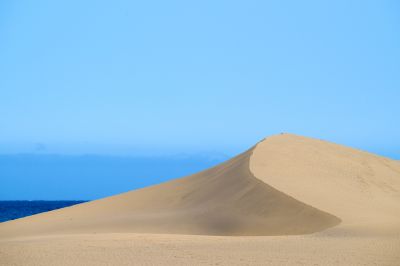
(289, 200)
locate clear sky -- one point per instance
(173, 76)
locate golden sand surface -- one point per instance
(289, 200)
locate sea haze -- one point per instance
(88, 177)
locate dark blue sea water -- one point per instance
(10, 210)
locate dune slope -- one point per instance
(285, 185)
(225, 200)
(360, 188)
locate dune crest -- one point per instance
(285, 185)
(360, 188)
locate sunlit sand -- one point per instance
(288, 200)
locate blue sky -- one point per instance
(191, 76)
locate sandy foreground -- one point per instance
(289, 200)
(146, 249)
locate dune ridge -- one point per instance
(360, 188)
(284, 185)
(224, 200)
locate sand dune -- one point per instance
(285, 185)
(224, 200)
(360, 188)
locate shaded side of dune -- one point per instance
(224, 200)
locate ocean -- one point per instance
(10, 209)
